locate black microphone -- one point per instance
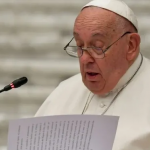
(15, 84)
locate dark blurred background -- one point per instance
(32, 36)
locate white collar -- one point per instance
(128, 75)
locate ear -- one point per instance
(133, 46)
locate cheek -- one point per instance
(104, 67)
(112, 65)
(116, 61)
(119, 57)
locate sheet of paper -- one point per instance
(66, 132)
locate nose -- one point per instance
(86, 58)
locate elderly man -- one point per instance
(114, 77)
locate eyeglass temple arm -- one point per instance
(68, 44)
(116, 41)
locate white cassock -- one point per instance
(132, 105)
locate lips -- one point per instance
(92, 76)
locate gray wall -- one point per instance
(32, 36)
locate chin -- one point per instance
(95, 88)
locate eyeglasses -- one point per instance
(96, 52)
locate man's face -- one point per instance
(94, 27)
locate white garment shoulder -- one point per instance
(65, 98)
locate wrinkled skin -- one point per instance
(96, 27)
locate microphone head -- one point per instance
(19, 82)
(15, 84)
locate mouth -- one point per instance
(92, 76)
(92, 73)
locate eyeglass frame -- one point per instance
(85, 49)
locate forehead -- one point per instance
(95, 19)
